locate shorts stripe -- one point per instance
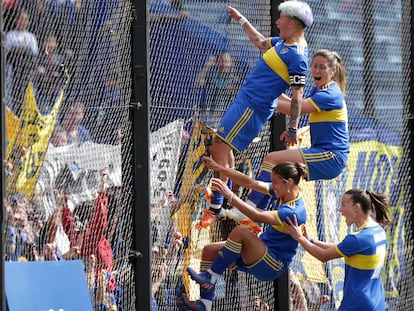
(318, 157)
(273, 263)
(269, 261)
(247, 114)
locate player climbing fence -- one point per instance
(68, 135)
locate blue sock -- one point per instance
(261, 200)
(216, 200)
(227, 255)
(229, 183)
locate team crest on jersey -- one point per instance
(284, 51)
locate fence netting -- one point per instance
(68, 89)
(198, 60)
(69, 144)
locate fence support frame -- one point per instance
(140, 140)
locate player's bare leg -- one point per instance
(222, 154)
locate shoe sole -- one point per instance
(194, 276)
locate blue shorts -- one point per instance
(243, 121)
(323, 164)
(267, 268)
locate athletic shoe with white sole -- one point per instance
(239, 217)
(203, 278)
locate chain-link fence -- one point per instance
(68, 135)
(199, 58)
(68, 86)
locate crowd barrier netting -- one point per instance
(68, 134)
(68, 89)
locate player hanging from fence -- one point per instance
(283, 65)
(327, 156)
(364, 250)
(266, 256)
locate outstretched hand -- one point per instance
(293, 228)
(220, 186)
(211, 164)
(233, 13)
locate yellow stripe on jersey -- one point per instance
(247, 114)
(273, 60)
(281, 227)
(364, 262)
(336, 115)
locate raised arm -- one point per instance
(236, 176)
(257, 215)
(260, 41)
(200, 79)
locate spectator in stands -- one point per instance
(167, 10)
(72, 123)
(59, 137)
(256, 305)
(93, 245)
(21, 57)
(327, 156)
(306, 294)
(219, 86)
(107, 125)
(266, 256)
(364, 251)
(283, 65)
(19, 232)
(49, 74)
(48, 248)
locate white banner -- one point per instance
(165, 152)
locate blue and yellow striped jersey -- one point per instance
(364, 253)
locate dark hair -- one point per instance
(292, 170)
(335, 61)
(372, 202)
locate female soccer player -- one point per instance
(266, 256)
(364, 250)
(284, 65)
(327, 156)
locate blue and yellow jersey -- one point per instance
(275, 237)
(271, 75)
(329, 124)
(364, 253)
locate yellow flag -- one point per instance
(33, 135)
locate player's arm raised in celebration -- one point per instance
(259, 40)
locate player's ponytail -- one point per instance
(373, 203)
(340, 74)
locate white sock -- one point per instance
(214, 276)
(207, 303)
(215, 206)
